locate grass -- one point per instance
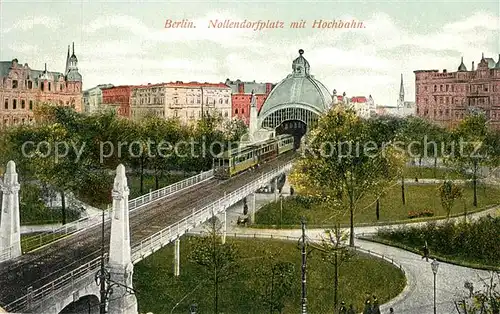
(134, 182)
(418, 198)
(433, 173)
(158, 291)
(42, 215)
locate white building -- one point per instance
(363, 106)
(92, 98)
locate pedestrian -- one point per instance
(291, 190)
(426, 252)
(368, 307)
(376, 306)
(391, 311)
(351, 309)
(343, 308)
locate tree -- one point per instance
(485, 301)
(218, 260)
(344, 161)
(471, 149)
(334, 252)
(277, 278)
(449, 192)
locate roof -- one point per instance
(358, 99)
(6, 65)
(197, 84)
(491, 63)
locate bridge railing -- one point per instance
(149, 245)
(68, 280)
(40, 239)
(170, 233)
(294, 238)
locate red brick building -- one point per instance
(22, 88)
(118, 96)
(446, 97)
(241, 94)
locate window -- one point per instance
(227, 101)
(42, 87)
(23, 104)
(31, 104)
(235, 110)
(435, 88)
(242, 110)
(49, 86)
(6, 103)
(14, 103)
(14, 84)
(30, 84)
(60, 87)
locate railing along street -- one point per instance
(40, 239)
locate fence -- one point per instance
(152, 243)
(90, 221)
(170, 233)
(294, 238)
(68, 280)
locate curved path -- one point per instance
(417, 297)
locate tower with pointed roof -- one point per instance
(462, 66)
(401, 99)
(73, 77)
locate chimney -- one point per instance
(444, 71)
(473, 66)
(241, 88)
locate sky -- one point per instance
(126, 42)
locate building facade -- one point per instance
(22, 88)
(92, 98)
(192, 101)
(241, 96)
(147, 100)
(118, 97)
(447, 97)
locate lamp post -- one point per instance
(434, 266)
(281, 209)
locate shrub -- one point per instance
(475, 242)
(420, 213)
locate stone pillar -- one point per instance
(252, 206)
(177, 257)
(10, 226)
(120, 264)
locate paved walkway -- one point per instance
(417, 297)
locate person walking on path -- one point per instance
(351, 309)
(426, 252)
(391, 311)
(368, 307)
(376, 306)
(343, 308)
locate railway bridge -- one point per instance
(54, 277)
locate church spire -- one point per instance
(73, 49)
(401, 90)
(67, 62)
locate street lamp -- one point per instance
(281, 209)
(434, 266)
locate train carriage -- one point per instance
(231, 162)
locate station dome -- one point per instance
(299, 89)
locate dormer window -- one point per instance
(14, 83)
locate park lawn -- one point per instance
(134, 183)
(158, 291)
(418, 198)
(433, 173)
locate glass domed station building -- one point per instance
(295, 103)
